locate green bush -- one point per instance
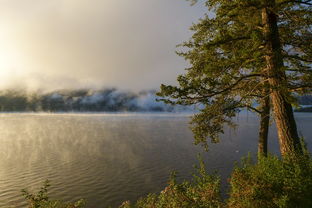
(202, 191)
(269, 183)
(41, 199)
(272, 182)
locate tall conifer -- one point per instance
(247, 52)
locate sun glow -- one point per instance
(7, 67)
(11, 60)
(7, 62)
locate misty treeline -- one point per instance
(83, 100)
(89, 100)
(305, 100)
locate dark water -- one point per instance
(110, 158)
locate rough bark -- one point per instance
(283, 112)
(264, 126)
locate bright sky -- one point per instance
(128, 44)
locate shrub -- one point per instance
(202, 191)
(41, 199)
(272, 182)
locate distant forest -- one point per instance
(88, 100)
(84, 100)
(305, 100)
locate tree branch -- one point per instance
(297, 58)
(307, 2)
(233, 85)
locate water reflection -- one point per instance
(110, 158)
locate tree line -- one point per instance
(88, 100)
(83, 100)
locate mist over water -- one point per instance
(110, 158)
(85, 100)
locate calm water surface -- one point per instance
(110, 158)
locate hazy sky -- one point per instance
(128, 44)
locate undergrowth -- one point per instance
(269, 183)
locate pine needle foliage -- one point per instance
(228, 61)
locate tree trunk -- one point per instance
(283, 112)
(264, 126)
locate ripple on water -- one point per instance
(108, 158)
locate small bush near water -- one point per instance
(203, 191)
(41, 199)
(270, 183)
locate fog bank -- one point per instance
(85, 100)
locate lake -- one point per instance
(109, 158)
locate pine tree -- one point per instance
(243, 53)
